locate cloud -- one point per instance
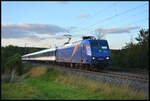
(83, 16)
(116, 30)
(21, 30)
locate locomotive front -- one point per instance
(100, 52)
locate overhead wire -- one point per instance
(98, 12)
(111, 17)
(116, 15)
(138, 21)
(122, 19)
(94, 15)
(120, 14)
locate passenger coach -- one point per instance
(48, 55)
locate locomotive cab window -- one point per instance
(99, 45)
(103, 45)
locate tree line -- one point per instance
(134, 55)
(11, 63)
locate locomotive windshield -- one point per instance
(99, 45)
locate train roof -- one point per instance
(70, 44)
(42, 51)
(98, 40)
(63, 46)
(79, 41)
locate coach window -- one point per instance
(53, 53)
(41, 55)
(45, 54)
(35, 55)
(48, 53)
(38, 55)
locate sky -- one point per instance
(44, 23)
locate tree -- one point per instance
(143, 46)
(14, 65)
(134, 55)
(143, 38)
(137, 54)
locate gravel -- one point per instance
(98, 77)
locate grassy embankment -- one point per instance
(41, 83)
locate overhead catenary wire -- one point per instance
(111, 17)
(139, 27)
(115, 15)
(139, 20)
(128, 17)
(94, 15)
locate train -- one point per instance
(89, 53)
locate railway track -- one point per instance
(125, 76)
(130, 71)
(119, 75)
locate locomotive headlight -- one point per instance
(107, 57)
(93, 58)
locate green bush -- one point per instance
(14, 63)
(133, 55)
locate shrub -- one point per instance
(14, 66)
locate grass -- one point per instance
(52, 90)
(111, 91)
(43, 83)
(18, 91)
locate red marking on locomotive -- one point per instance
(69, 58)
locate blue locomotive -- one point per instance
(89, 51)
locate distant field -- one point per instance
(41, 83)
